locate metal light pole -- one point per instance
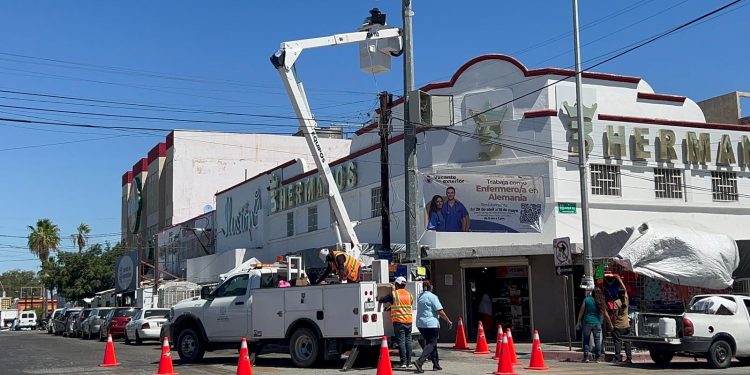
(587, 282)
(410, 143)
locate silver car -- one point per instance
(91, 325)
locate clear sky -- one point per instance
(213, 56)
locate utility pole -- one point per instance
(386, 101)
(410, 143)
(587, 282)
(156, 273)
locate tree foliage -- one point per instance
(81, 237)
(79, 275)
(13, 280)
(43, 239)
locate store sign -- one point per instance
(126, 272)
(309, 189)
(505, 272)
(135, 205)
(566, 208)
(495, 203)
(244, 220)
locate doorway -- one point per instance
(498, 295)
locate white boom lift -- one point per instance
(377, 44)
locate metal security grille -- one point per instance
(289, 224)
(724, 186)
(605, 180)
(312, 218)
(375, 202)
(668, 183)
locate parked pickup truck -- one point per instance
(715, 326)
(317, 322)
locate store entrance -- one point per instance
(498, 295)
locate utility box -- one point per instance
(430, 110)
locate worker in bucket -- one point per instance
(345, 266)
(401, 301)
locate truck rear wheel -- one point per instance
(661, 357)
(304, 347)
(719, 354)
(189, 346)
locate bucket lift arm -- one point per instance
(283, 60)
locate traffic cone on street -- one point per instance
(110, 360)
(504, 367)
(498, 345)
(244, 365)
(460, 336)
(537, 357)
(165, 362)
(482, 347)
(512, 349)
(384, 362)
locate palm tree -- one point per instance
(43, 239)
(81, 238)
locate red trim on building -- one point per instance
(685, 124)
(661, 97)
(540, 113)
(140, 166)
(289, 163)
(127, 178)
(170, 139)
(159, 151)
(366, 129)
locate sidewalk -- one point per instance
(552, 352)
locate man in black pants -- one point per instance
(429, 309)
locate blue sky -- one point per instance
(213, 56)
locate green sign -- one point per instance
(566, 208)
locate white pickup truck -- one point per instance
(716, 327)
(318, 322)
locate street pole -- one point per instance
(587, 282)
(385, 201)
(410, 144)
(156, 273)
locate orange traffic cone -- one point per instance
(482, 347)
(512, 349)
(504, 367)
(110, 360)
(165, 362)
(244, 366)
(498, 345)
(384, 362)
(460, 336)
(537, 357)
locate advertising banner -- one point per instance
(483, 203)
(126, 272)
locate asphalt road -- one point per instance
(34, 352)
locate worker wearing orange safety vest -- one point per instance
(345, 266)
(401, 301)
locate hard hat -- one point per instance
(323, 254)
(400, 280)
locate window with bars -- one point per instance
(668, 183)
(290, 224)
(375, 202)
(312, 218)
(724, 186)
(605, 180)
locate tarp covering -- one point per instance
(682, 253)
(743, 271)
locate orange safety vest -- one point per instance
(351, 265)
(401, 311)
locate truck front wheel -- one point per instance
(661, 357)
(719, 354)
(304, 347)
(189, 346)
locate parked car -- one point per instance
(61, 321)
(27, 319)
(91, 325)
(146, 325)
(116, 320)
(77, 323)
(69, 322)
(51, 323)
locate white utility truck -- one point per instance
(715, 327)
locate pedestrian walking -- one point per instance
(592, 313)
(622, 324)
(401, 301)
(429, 309)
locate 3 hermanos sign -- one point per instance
(244, 220)
(309, 189)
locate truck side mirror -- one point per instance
(206, 293)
